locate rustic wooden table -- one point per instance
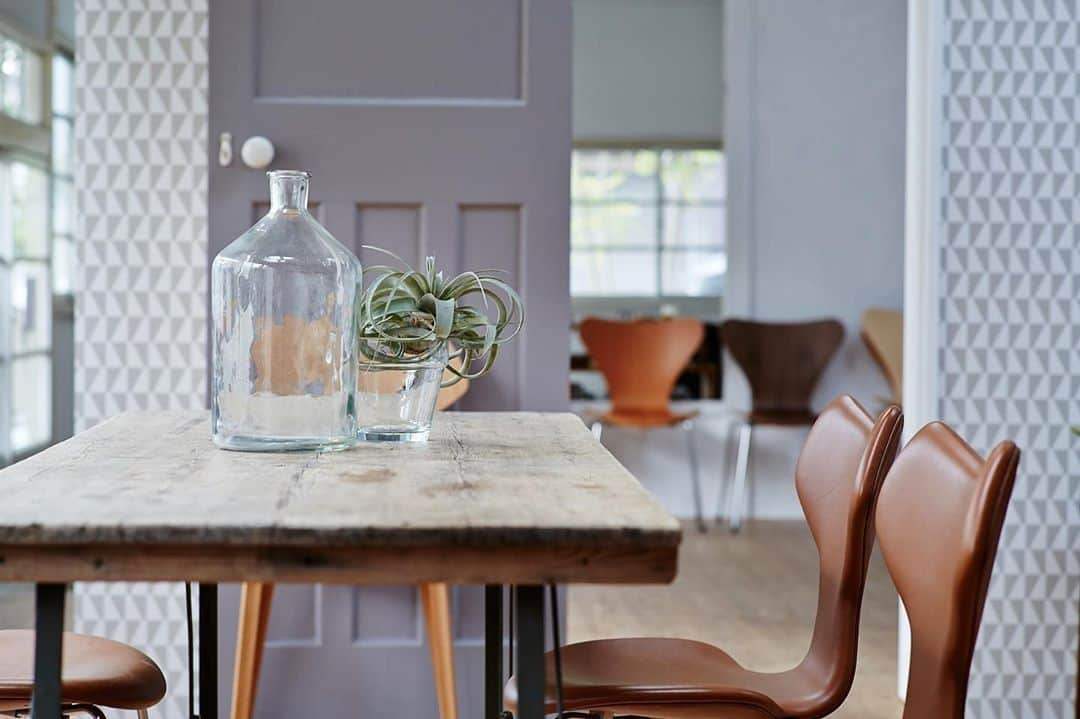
(520, 499)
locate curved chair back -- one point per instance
(782, 361)
(938, 520)
(838, 476)
(641, 359)
(883, 334)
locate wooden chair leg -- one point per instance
(435, 599)
(255, 602)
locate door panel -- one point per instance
(429, 128)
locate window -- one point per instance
(26, 249)
(21, 82)
(63, 181)
(647, 223)
(24, 274)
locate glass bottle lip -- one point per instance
(287, 174)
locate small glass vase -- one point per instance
(283, 298)
(396, 400)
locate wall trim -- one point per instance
(922, 243)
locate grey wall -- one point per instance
(648, 70)
(30, 16)
(815, 147)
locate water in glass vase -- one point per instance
(284, 331)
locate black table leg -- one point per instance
(48, 649)
(208, 651)
(530, 652)
(493, 650)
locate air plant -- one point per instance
(408, 316)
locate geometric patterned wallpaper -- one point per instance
(1010, 325)
(140, 323)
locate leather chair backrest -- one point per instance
(938, 520)
(641, 359)
(839, 472)
(782, 361)
(883, 333)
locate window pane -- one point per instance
(21, 80)
(613, 273)
(7, 226)
(63, 266)
(694, 175)
(693, 225)
(693, 273)
(63, 207)
(30, 207)
(614, 175)
(63, 84)
(31, 306)
(622, 224)
(61, 146)
(31, 422)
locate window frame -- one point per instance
(657, 247)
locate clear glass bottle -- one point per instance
(283, 300)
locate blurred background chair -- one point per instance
(640, 360)
(883, 334)
(256, 599)
(783, 362)
(96, 673)
(840, 470)
(939, 518)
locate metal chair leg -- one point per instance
(738, 488)
(695, 476)
(143, 714)
(723, 495)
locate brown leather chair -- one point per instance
(96, 673)
(641, 361)
(938, 521)
(783, 362)
(839, 473)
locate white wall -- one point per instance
(815, 142)
(648, 70)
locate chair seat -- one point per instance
(665, 678)
(782, 417)
(645, 419)
(95, 671)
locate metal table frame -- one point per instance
(529, 650)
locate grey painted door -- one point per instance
(430, 127)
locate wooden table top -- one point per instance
(492, 497)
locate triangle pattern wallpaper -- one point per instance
(1010, 326)
(141, 314)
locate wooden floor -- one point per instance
(753, 594)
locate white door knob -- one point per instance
(257, 152)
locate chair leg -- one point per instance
(738, 489)
(143, 714)
(597, 429)
(255, 603)
(723, 496)
(695, 476)
(435, 599)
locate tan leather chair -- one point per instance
(256, 599)
(96, 673)
(783, 362)
(641, 361)
(939, 518)
(883, 334)
(838, 476)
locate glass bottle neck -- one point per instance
(288, 190)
